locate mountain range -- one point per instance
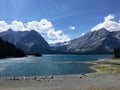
(94, 42)
(28, 41)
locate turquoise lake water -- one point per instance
(47, 65)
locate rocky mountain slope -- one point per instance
(96, 42)
(28, 41)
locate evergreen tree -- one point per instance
(9, 50)
(117, 52)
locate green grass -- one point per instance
(107, 68)
(110, 65)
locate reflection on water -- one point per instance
(48, 65)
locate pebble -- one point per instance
(37, 78)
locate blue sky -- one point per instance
(82, 14)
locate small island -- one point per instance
(36, 54)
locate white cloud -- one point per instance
(109, 17)
(71, 27)
(46, 27)
(3, 26)
(64, 38)
(17, 26)
(82, 34)
(109, 23)
(58, 35)
(43, 26)
(55, 34)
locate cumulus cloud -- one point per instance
(109, 23)
(71, 27)
(46, 27)
(43, 27)
(3, 26)
(63, 39)
(55, 34)
(17, 26)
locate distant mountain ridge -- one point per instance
(28, 41)
(96, 42)
(13, 36)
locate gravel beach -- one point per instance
(93, 81)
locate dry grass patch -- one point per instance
(107, 68)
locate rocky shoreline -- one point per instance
(92, 81)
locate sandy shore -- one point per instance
(93, 81)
